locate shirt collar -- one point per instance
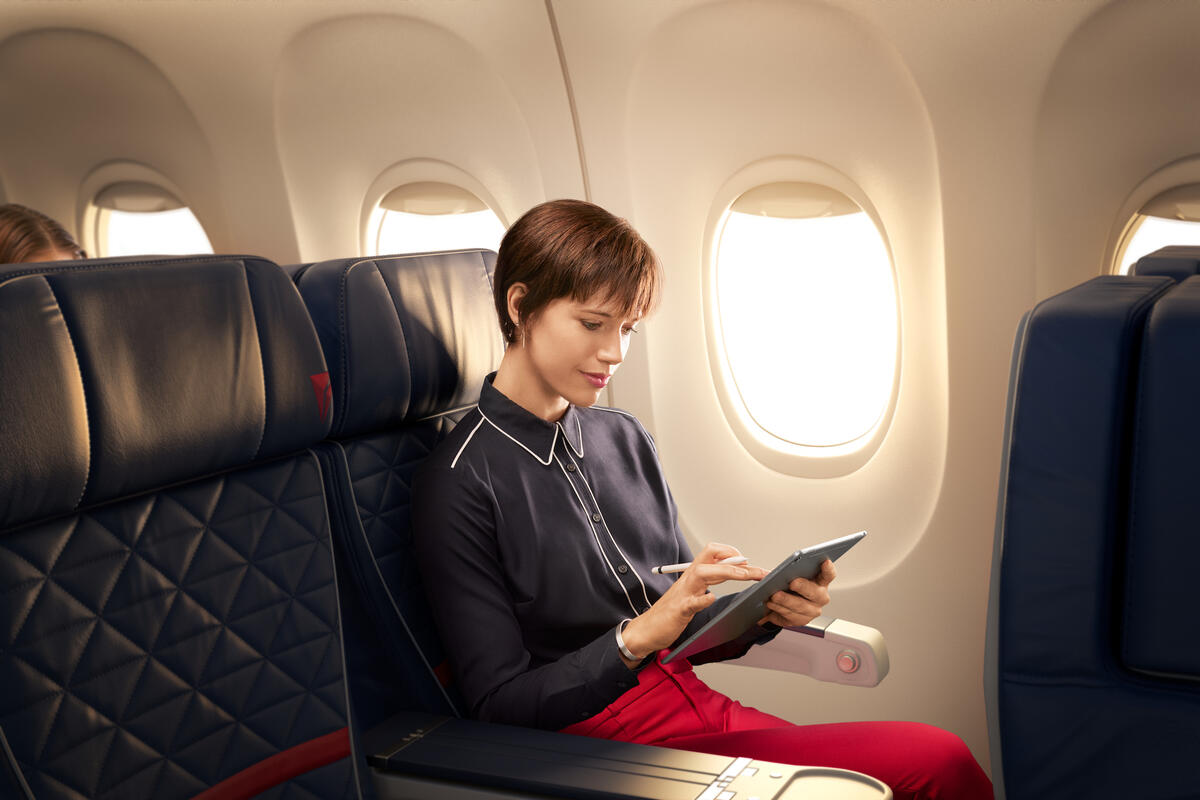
(534, 434)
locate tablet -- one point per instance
(748, 606)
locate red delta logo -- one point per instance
(324, 393)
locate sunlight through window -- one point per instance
(175, 232)
(426, 217)
(1154, 232)
(808, 318)
(135, 218)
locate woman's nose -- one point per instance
(613, 351)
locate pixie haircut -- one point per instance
(569, 248)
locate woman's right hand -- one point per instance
(670, 614)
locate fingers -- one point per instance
(712, 574)
(715, 551)
(787, 610)
(827, 574)
(809, 590)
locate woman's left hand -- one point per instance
(803, 601)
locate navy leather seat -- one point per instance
(409, 340)
(1094, 672)
(1178, 262)
(168, 612)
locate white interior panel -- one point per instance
(1120, 106)
(83, 99)
(383, 87)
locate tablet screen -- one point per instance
(748, 606)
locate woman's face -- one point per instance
(576, 346)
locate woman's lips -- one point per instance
(598, 379)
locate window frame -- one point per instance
(810, 461)
(416, 170)
(1129, 218)
(91, 217)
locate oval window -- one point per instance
(135, 218)
(429, 216)
(1171, 218)
(807, 312)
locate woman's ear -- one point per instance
(516, 293)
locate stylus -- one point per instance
(681, 567)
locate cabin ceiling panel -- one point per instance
(83, 99)
(713, 90)
(223, 58)
(375, 90)
(1122, 102)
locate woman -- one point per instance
(539, 518)
(28, 236)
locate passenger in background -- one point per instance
(28, 236)
(538, 519)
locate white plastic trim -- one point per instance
(792, 459)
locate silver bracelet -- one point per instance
(621, 641)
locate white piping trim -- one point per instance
(611, 538)
(596, 536)
(579, 432)
(470, 436)
(549, 458)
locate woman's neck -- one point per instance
(519, 381)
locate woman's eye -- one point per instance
(628, 330)
(591, 326)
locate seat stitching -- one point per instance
(87, 414)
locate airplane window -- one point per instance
(137, 218)
(1172, 217)
(807, 310)
(428, 216)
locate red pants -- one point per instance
(671, 707)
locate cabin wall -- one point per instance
(1001, 147)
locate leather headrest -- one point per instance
(1176, 262)
(406, 337)
(122, 375)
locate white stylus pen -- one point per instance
(681, 567)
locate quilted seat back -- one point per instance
(408, 340)
(168, 614)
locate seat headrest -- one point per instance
(122, 375)
(406, 337)
(1178, 262)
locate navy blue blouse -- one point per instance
(535, 540)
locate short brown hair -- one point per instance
(570, 248)
(25, 234)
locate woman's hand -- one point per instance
(803, 601)
(670, 614)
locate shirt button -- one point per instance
(570, 467)
(622, 685)
(584, 715)
(621, 568)
(596, 517)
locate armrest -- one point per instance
(833, 650)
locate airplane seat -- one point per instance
(409, 340)
(1092, 676)
(1177, 262)
(168, 619)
